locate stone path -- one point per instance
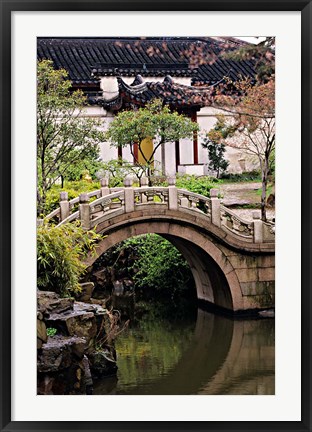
(242, 194)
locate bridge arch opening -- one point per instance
(149, 265)
(215, 279)
(211, 284)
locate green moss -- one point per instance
(267, 298)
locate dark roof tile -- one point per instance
(84, 58)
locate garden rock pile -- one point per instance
(67, 352)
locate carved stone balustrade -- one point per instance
(113, 202)
(236, 225)
(151, 195)
(268, 232)
(193, 201)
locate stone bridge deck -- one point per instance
(232, 260)
(110, 203)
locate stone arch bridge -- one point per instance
(232, 260)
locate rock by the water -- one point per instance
(58, 352)
(83, 321)
(41, 331)
(102, 362)
(88, 376)
(63, 359)
(99, 277)
(74, 323)
(63, 367)
(45, 385)
(87, 289)
(49, 302)
(118, 288)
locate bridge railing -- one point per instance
(236, 225)
(67, 209)
(109, 203)
(194, 201)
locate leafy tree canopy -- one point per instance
(216, 150)
(251, 126)
(155, 122)
(64, 135)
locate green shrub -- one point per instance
(60, 251)
(51, 331)
(200, 185)
(156, 267)
(243, 177)
(73, 188)
(159, 267)
(85, 166)
(159, 181)
(216, 150)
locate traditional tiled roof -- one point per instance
(139, 93)
(88, 58)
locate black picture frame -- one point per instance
(7, 7)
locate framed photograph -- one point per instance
(223, 374)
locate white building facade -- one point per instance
(119, 74)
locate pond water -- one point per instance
(199, 353)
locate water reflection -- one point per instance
(210, 355)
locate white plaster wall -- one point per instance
(179, 80)
(109, 85)
(211, 111)
(240, 161)
(197, 170)
(126, 154)
(186, 151)
(170, 159)
(157, 160)
(92, 111)
(104, 117)
(206, 120)
(107, 152)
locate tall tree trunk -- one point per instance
(149, 175)
(163, 159)
(264, 188)
(41, 196)
(41, 199)
(263, 199)
(39, 204)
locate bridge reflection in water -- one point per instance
(221, 357)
